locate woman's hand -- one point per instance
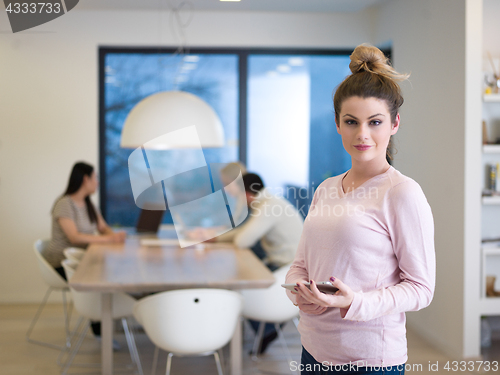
(342, 298)
(304, 305)
(117, 237)
(202, 234)
(307, 307)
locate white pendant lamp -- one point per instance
(167, 111)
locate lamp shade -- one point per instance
(168, 111)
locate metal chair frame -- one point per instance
(82, 301)
(39, 245)
(80, 333)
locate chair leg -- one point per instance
(75, 349)
(222, 360)
(281, 337)
(169, 362)
(35, 320)
(258, 341)
(67, 318)
(72, 334)
(217, 362)
(155, 361)
(132, 347)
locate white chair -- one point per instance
(56, 283)
(88, 305)
(270, 305)
(74, 253)
(189, 322)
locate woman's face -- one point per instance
(366, 128)
(91, 183)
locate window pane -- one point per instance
(129, 78)
(292, 138)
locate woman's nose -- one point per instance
(363, 132)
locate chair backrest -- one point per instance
(88, 304)
(49, 274)
(74, 253)
(271, 304)
(69, 266)
(190, 321)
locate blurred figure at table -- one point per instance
(76, 222)
(235, 193)
(272, 220)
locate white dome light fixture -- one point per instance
(167, 111)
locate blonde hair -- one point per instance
(233, 169)
(372, 76)
(368, 58)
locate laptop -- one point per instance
(149, 221)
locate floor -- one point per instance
(19, 357)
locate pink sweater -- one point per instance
(379, 240)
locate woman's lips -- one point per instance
(362, 147)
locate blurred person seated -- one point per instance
(238, 206)
(76, 222)
(272, 220)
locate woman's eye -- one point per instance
(350, 122)
(376, 122)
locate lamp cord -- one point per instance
(177, 27)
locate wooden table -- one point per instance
(132, 267)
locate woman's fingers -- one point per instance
(315, 291)
(342, 298)
(338, 284)
(303, 291)
(345, 294)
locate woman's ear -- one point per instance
(395, 126)
(337, 124)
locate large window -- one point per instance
(130, 76)
(275, 107)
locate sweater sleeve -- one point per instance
(411, 228)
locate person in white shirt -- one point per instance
(273, 220)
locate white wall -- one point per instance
(491, 28)
(438, 144)
(49, 104)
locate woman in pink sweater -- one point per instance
(370, 232)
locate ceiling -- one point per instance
(243, 5)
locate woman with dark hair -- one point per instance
(77, 223)
(370, 232)
(75, 220)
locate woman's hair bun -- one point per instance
(367, 58)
